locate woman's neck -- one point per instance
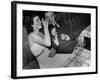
(35, 30)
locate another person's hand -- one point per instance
(52, 53)
(45, 23)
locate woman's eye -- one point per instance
(38, 20)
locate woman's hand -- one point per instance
(47, 39)
(52, 53)
(45, 23)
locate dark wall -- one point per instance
(68, 21)
(73, 20)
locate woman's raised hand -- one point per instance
(47, 39)
(45, 23)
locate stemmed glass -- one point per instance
(80, 46)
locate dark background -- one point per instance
(69, 22)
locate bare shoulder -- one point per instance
(33, 36)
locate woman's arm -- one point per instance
(47, 39)
(34, 38)
(37, 39)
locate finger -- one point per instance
(42, 20)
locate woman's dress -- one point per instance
(42, 53)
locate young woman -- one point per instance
(39, 44)
(37, 40)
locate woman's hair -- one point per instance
(33, 15)
(41, 30)
(28, 22)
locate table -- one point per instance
(79, 57)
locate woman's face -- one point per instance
(37, 22)
(63, 36)
(54, 32)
